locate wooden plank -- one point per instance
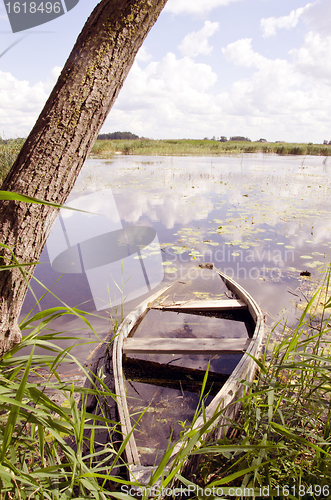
(148, 371)
(156, 345)
(136, 367)
(204, 305)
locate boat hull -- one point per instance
(225, 402)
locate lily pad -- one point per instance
(170, 270)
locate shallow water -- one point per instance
(261, 219)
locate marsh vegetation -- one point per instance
(106, 148)
(281, 441)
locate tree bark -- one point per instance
(63, 135)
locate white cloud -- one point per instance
(278, 95)
(168, 98)
(269, 25)
(242, 54)
(196, 42)
(313, 58)
(176, 98)
(195, 6)
(21, 103)
(171, 80)
(170, 210)
(143, 55)
(318, 17)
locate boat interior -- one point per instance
(181, 335)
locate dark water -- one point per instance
(262, 219)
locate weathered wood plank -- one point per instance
(204, 305)
(156, 345)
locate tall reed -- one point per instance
(279, 448)
(282, 442)
(107, 148)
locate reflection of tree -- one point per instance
(64, 133)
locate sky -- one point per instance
(254, 68)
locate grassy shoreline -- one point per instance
(280, 445)
(173, 147)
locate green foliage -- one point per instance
(283, 438)
(117, 135)
(38, 437)
(8, 153)
(240, 138)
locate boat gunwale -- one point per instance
(124, 330)
(245, 368)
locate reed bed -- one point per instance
(146, 147)
(281, 446)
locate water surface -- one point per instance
(262, 219)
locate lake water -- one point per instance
(262, 219)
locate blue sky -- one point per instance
(258, 68)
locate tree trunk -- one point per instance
(63, 135)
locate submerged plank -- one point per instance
(204, 305)
(158, 345)
(148, 371)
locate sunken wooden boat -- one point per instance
(203, 320)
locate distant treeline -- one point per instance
(117, 135)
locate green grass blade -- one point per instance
(13, 414)
(10, 196)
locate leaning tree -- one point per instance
(55, 150)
